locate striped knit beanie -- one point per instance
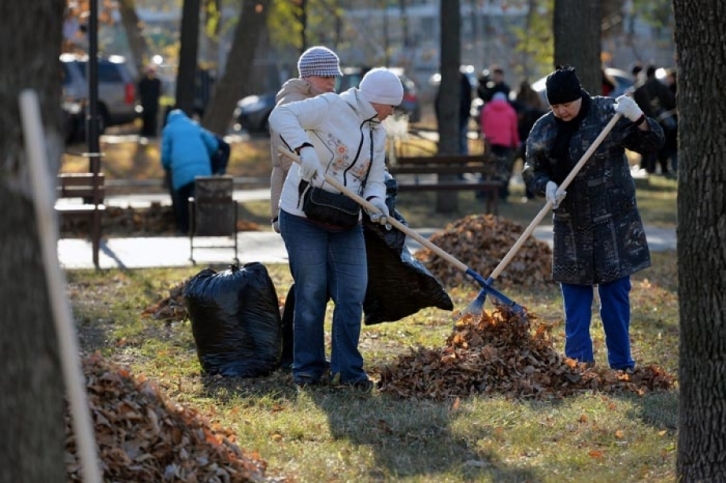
(319, 61)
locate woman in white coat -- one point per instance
(339, 136)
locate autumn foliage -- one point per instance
(502, 353)
(481, 242)
(141, 436)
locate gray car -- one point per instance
(410, 105)
(117, 103)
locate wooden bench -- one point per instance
(483, 166)
(88, 190)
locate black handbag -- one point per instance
(326, 207)
(333, 208)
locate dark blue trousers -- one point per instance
(615, 316)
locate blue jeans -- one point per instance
(615, 315)
(326, 262)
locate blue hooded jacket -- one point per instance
(186, 149)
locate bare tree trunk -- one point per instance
(405, 34)
(212, 30)
(448, 97)
(186, 77)
(386, 37)
(577, 40)
(31, 405)
(303, 19)
(132, 26)
(526, 59)
(233, 85)
(700, 40)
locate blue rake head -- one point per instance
(477, 305)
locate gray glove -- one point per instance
(310, 164)
(628, 108)
(381, 216)
(552, 195)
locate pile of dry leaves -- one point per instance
(143, 437)
(503, 353)
(171, 308)
(481, 242)
(156, 220)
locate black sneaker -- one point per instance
(303, 381)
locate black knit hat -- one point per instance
(563, 86)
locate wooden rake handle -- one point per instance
(546, 208)
(390, 220)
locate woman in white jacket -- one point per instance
(339, 136)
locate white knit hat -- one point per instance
(382, 86)
(319, 61)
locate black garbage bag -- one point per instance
(288, 316)
(398, 284)
(235, 320)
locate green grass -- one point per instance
(335, 435)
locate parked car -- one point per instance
(252, 112)
(117, 102)
(410, 106)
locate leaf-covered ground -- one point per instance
(509, 354)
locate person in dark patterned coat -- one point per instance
(598, 234)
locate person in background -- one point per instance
(608, 83)
(656, 100)
(319, 67)
(636, 70)
(528, 105)
(340, 136)
(672, 81)
(500, 131)
(598, 234)
(220, 158)
(464, 112)
(186, 149)
(491, 83)
(149, 92)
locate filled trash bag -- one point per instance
(398, 284)
(235, 320)
(288, 316)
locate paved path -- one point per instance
(265, 247)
